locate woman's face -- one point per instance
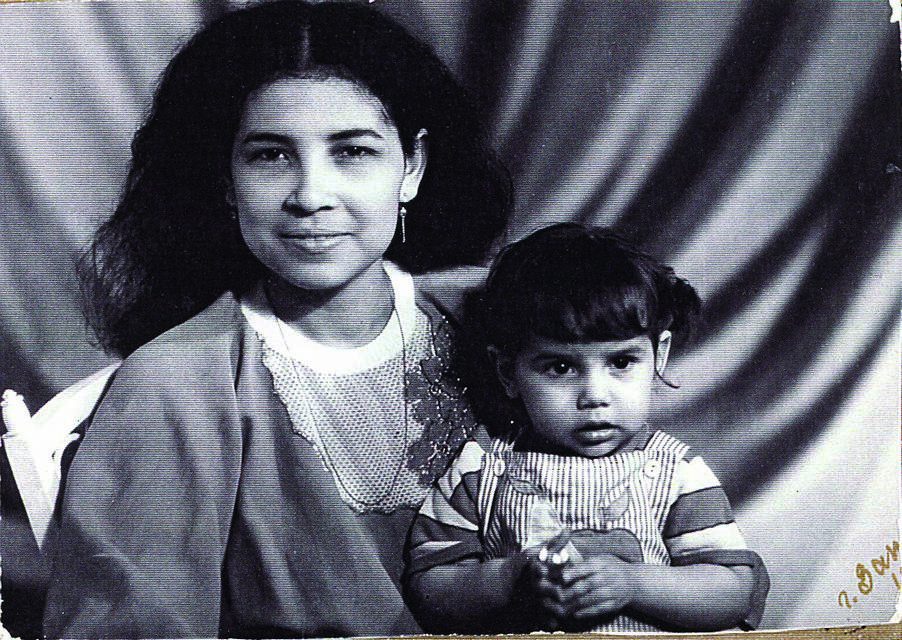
(318, 173)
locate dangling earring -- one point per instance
(230, 203)
(402, 212)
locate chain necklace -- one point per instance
(308, 412)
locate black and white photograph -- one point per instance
(400, 317)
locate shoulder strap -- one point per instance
(492, 470)
(665, 452)
(661, 442)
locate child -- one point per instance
(581, 516)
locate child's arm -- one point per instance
(503, 595)
(714, 581)
(449, 584)
(469, 596)
(698, 597)
(701, 534)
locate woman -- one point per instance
(286, 399)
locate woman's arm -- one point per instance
(148, 504)
(449, 288)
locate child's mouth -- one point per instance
(596, 432)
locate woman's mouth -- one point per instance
(316, 242)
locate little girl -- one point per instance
(581, 516)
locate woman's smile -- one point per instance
(316, 242)
(318, 172)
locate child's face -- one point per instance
(318, 173)
(586, 399)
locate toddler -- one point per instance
(578, 515)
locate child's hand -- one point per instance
(600, 585)
(544, 582)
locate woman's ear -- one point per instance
(663, 351)
(504, 368)
(414, 168)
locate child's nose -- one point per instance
(596, 391)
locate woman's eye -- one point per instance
(269, 155)
(355, 151)
(623, 362)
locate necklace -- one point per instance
(308, 412)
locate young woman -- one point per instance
(287, 396)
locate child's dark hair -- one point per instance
(571, 283)
(568, 283)
(172, 247)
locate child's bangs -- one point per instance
(587, 313)
(570, 283)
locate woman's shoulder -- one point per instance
(444, 292)
(207, 338)
(205, 347)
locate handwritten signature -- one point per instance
(882, 566)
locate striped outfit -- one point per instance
(658, 504)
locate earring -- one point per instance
(230, 203)
(402, 213)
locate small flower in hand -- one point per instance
(544, 568)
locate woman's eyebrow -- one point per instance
(345, 134)
(354, 133)
(266, 137)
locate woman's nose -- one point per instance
(595, 391)
(311, 190)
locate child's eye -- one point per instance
(623, 362)
(559, 368)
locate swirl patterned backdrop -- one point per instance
(753, 145)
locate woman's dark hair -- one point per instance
(571, 283)
(171, 247)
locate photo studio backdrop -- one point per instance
(753, 145)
